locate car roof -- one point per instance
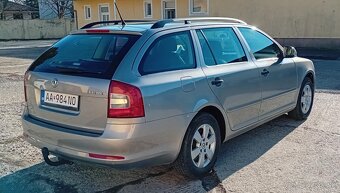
(129, 27)
(141, 26)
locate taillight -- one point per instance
(26, 77)
(97, 31)
(125, 101)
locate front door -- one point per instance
(232, 77)
(278, 74)
(169, 9)
(104, 12)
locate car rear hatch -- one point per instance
(68, 85)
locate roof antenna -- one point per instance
(120, 16)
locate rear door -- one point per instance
(169, 78)
(232, 77)
(68, 84)
(278, 74)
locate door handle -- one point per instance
(217, 82)
(265, 72)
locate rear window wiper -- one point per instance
(69, 70)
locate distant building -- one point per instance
(18, 11)
(49, 9)
(312, 23)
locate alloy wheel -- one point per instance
(203, 146)
(306, 99)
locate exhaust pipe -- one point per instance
(60, 161)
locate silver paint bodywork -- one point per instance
(171, 101)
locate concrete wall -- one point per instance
(35, 29)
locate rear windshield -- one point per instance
(89, 55)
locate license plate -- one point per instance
(61, 100)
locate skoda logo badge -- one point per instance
(54, 83)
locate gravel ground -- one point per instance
(280, 156)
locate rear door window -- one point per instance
(222, 44)
(169, 52)
(89, 55)
(209, 58)
(261, 46)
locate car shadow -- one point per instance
(247, 148)
(235, 155)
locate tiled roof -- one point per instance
(12, 6)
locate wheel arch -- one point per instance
(219, 116)
(305, 68)
(310, 75)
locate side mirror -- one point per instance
(290, 52)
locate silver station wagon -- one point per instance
(142, 93)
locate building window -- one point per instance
(87, 12)
(104, 12)
(169, 9)
(148, 9)
(18, 16)
(199, 7)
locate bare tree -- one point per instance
(61, 8)
(3, 4)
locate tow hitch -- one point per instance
(60, 161)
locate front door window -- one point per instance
(169, 9)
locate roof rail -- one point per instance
(162, 23)
(115, 22)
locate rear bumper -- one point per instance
(147, 144)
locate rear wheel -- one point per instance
(200, 147)
(305, 100)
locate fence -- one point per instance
(35, 29)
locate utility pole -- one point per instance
(115, 9)
(2, 10)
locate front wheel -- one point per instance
(305, 101)
(200, 147)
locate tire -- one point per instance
(306, 98)
(206, 149)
